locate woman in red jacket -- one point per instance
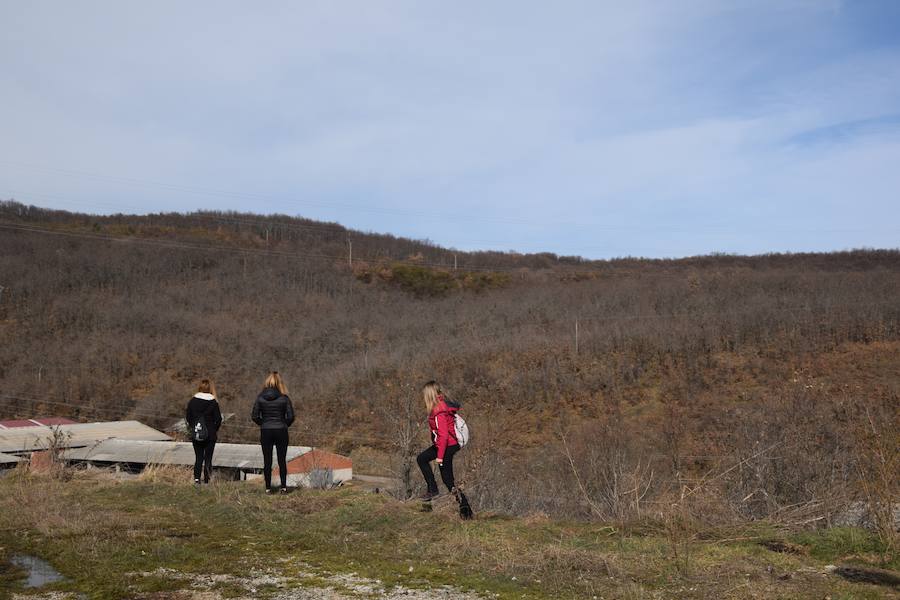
(443, 435)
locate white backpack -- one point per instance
(462, 430)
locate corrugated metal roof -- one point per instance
(235, 456)
(26, 439)
(55, 421)
(6, 459)
(10, 424)
(18, 423)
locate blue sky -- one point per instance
(593, 128)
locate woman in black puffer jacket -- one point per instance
(274, 413)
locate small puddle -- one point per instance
(40, 572)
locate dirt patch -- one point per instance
(783, 546)
(867, 575)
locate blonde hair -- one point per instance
(274, 380)
(431, 393)
(207, 387)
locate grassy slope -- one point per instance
(96, 531)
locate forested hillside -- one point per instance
(594, 388)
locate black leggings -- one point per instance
(424, 459)
(203, 452)
(279, 439)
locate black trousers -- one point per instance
(424, 459)
(203, 453)
(279, 439)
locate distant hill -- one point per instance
(576, 373)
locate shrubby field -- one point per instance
(714, 390)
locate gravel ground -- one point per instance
(304, 584)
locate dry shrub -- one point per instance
(41, 505)
(704, 506)
(521, 483)
(791, 451)
(613, 473)
(98, 475)
(50, 462)
(595, 470)
(371, 461)
(877, 451)
(170, 474)
(798, 456)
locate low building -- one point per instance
(318, 469)
(27, 439)
(36, 422)
(8, 461)
(306, 466)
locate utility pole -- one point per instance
(576, 337)
(454, 262)
(350, 255)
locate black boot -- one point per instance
(465, 509)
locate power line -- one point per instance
(124, 410)
(264, 220)
(313, 436)
(732, 313)
(298, 255)
(255, 251)
(594, 227)
(284, 254)
(567, 270)
(166, 243)
(334, 229)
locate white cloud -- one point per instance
(532, 125)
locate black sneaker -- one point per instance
(268, 490)
(283, 490)
(196, 482)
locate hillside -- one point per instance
(768, 384)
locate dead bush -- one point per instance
(169, 474)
